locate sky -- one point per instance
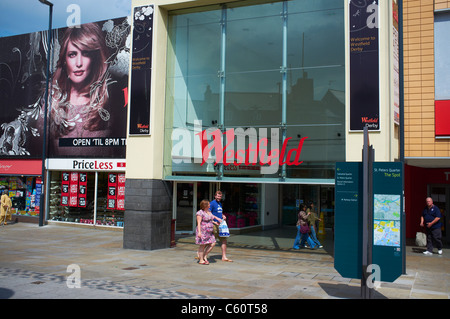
(26, 16)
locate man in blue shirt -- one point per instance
(216, 209)
(431, 220)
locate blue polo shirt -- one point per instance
(216, 208)
(429, 214)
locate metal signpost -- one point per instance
(368, 156)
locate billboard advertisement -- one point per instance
(364, 66)
(88, 91)
(141, 70)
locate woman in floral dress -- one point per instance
(204, 232)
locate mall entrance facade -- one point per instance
(246, 80)
(251, 206)
(246, 98)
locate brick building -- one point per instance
(426, 26)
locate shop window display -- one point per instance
(24, 193)
(242, 204)
(64, 205)
(72, 198)
(111, 199)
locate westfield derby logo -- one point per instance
(229, 147)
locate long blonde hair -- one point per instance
(87, 37)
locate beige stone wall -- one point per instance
(441, 4)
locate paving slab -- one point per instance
(35, 264)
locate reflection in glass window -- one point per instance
(442, 47)
(244, 65)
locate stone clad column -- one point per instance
(148, 214)
(148, 198)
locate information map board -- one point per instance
(387, 219)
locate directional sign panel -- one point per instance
(348, 220)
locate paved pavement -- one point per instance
(44, 263)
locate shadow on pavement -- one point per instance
(6, 293)
(346, 291)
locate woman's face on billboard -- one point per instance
(78, 64)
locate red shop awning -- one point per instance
(20, 167)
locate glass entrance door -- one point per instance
(326, 211)
(294, 195)
(187, 198)
(184, 207)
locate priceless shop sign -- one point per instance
(101, 164)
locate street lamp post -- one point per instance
(44, 139)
